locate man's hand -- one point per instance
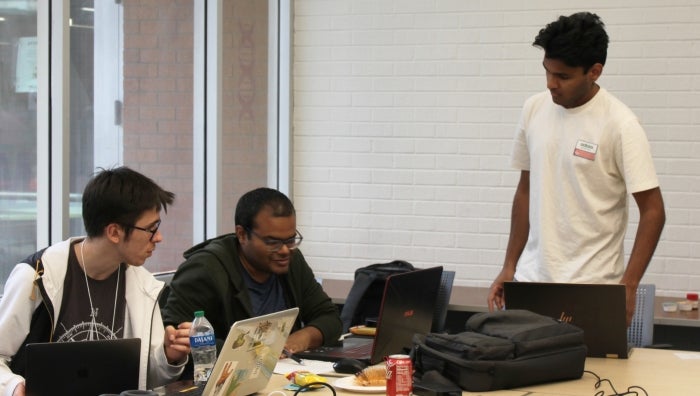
(301, 340)
(631, 302)
(652, 217)
(177, 343)
(519, 230)
(495, 299)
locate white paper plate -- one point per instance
(348, 384)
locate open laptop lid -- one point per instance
(249, 354)
(598, 309)
(407, 309)
(83, 367)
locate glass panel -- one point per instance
(18, 84)
(132, 104)
(244, 102)
(81, 106)
(157, 84)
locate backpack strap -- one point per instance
(41, 320)
(35, 262)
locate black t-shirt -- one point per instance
(75, 322)
(266, 297)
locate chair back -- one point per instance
(443, 301)
(641, 332)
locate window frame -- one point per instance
(53, 124)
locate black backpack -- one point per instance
(365, 296)
(500, 350)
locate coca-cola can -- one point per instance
(399, 375)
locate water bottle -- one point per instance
(203, 346)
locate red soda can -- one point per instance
(399, 375)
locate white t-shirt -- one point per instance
(583, 163)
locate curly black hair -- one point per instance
(578, 40)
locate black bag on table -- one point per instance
(365, 296)
(503, 350)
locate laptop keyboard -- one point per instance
(353, 351)
(357, 351)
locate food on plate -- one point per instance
(363, 330)
(371, 376)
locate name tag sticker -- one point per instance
(585, 150)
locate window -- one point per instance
(18, 125)
(144, 86)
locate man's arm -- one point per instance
(303, 339)
(652, 217)
(519, 229)
(317, 312)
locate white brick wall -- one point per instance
(404, 113)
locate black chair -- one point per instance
(443, 301)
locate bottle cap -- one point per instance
(692, 296)
(198, 313)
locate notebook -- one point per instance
(82, 367)
(598, 309)
(406, 309)
(249, 355)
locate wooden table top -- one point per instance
(657, 371)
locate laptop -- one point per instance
(82, 367)
(407, 308)
(249, 355)
(598, 309)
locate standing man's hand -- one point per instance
(652, 217)
(495, 299)
(631, 302)
(519, 230)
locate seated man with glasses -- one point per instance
(254, 271)
(95, 287)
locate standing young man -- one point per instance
(95, 287)
(254, 271)
(581, 152)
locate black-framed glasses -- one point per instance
(153, 230)
(274, 244)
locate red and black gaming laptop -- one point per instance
(406, 309)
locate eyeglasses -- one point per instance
(274, 244)
(153, 230)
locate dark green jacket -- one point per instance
(211, 280)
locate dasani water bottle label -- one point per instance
(202, 340)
